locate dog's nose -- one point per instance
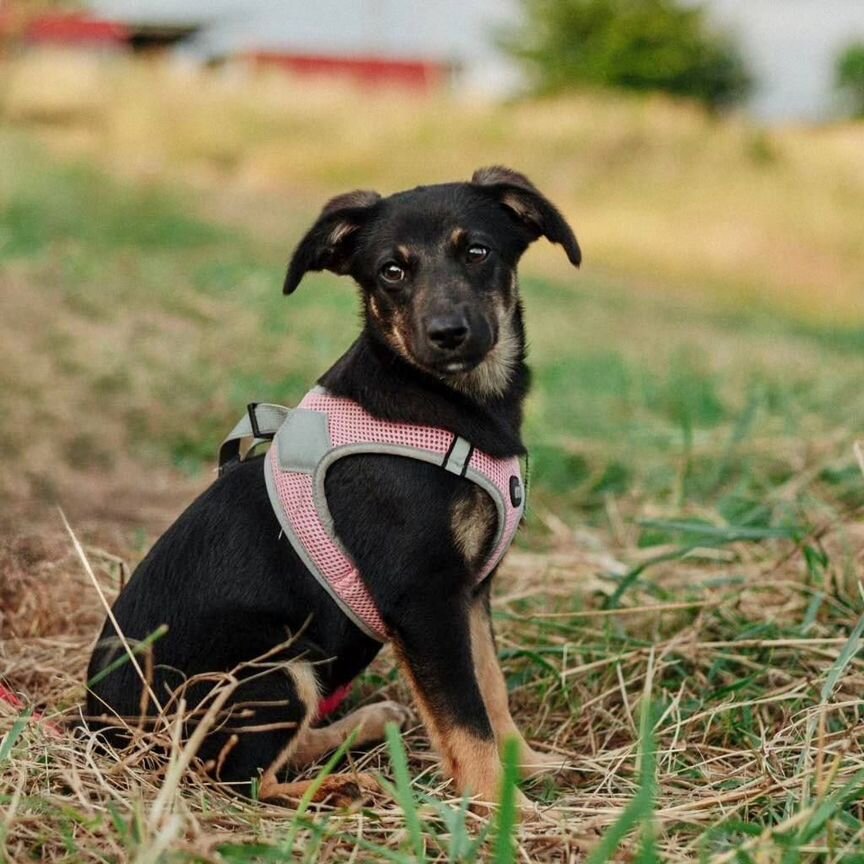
(447, 332)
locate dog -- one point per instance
(443, 348)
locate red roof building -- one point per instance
(75, 29)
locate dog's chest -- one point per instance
(323, 431)
(473, 522)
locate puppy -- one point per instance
(442, 351)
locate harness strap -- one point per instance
(322, 429)
(260, 423)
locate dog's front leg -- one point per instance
(433, 646)
(494, 689)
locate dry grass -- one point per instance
(656, 189)
(747, 730)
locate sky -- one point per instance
(791, 46)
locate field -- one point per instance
(692, 556)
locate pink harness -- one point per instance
(324, 428)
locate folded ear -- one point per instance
(328, 243)
(518, 194)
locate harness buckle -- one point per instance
(251, 408)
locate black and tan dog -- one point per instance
(443, 345)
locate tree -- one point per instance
(849, 76)
(633, 44)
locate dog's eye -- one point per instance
(391, 272)
(476, 253)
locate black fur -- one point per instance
(230, 587)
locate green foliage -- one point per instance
(645, 45)
(84, 209)
(507, 816)
(7, 743)
(402, 790)
(849, 76)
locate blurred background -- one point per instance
(159, 159)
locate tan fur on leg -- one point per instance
(473, 521)
(472, 762)
(307, 691)
(369, 720)
(494, 690)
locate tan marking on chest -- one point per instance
(473, 522)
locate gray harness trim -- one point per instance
(302, 443)
(303, 555)
(303, 440)
(337, 453)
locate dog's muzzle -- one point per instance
(456, 341)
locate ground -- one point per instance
(692, 555)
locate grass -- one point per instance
(680, 618)
(657, 190)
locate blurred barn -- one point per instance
(789, 44)
(422, 46)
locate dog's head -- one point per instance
(437, 268)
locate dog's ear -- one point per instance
(328, 243)
(518, 194)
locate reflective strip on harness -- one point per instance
(458, 457)
(325, 428)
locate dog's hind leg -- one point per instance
(308, 744)
(306, 690)
(258, 729)
(367, 724)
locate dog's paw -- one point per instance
(533, 764)
(393, 712)
(373, 719)
(337, 790)
(348, 791)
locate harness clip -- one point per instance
(251, 408)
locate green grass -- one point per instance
(633, 394)
(683, 458)
(701, 205)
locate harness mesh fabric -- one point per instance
(306, 517)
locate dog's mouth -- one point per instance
(465, 364)
(479, 369)
(445, 368)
